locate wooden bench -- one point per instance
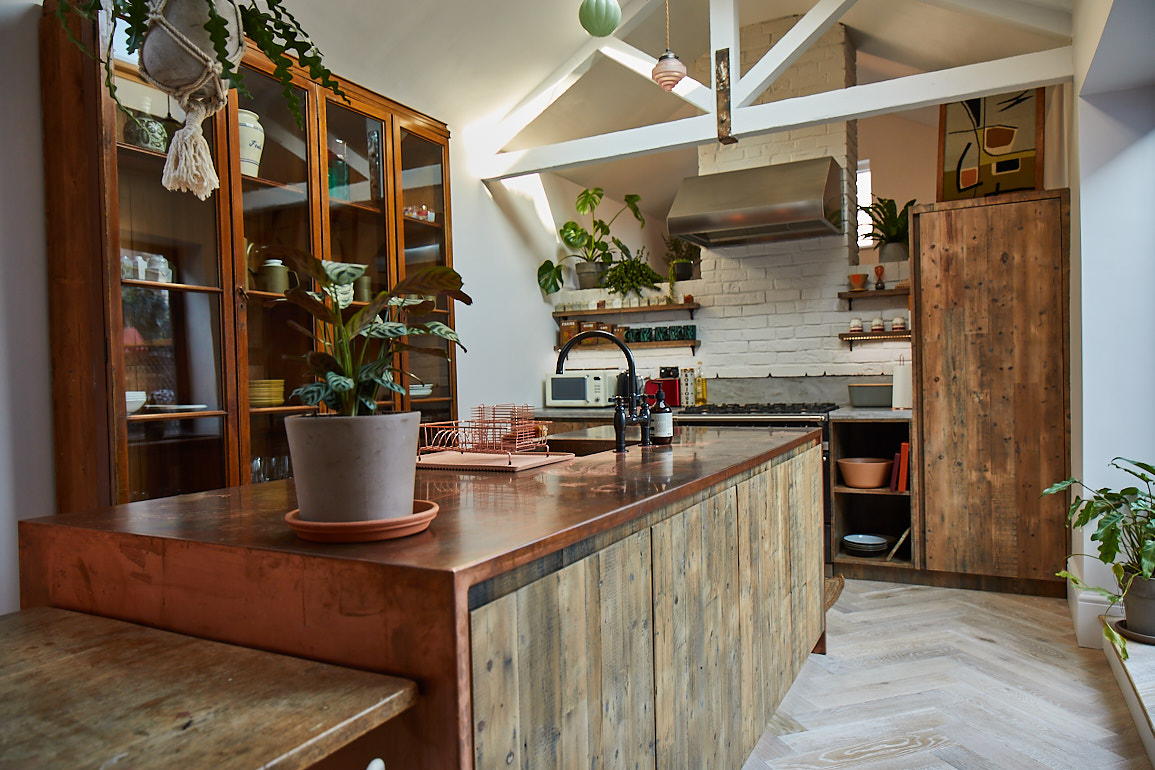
(84, 691)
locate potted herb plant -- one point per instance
(593, 244)
(890, 228)
(631, 273)
(681, 256)
(356, 464)
(1125, 533)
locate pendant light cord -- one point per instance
(667, 25)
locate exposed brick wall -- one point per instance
(773, 309)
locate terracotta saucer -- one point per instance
(364, 531)
(1120, 625)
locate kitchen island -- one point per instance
(645, 609)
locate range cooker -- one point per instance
(776, 415)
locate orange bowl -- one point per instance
(865, 472)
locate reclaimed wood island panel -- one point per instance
(646, 610)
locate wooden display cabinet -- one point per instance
(872, 511)
(335, 184)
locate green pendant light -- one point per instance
(600, 17)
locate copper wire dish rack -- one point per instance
(508, 429)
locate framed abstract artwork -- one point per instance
(991, 144)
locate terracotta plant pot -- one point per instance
(354, 468)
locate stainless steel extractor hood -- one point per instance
(802, 199)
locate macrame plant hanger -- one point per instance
(189, 165)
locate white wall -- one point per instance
(26, 481)
(1114, 155)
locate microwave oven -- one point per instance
(581, 387)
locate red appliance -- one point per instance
(669, 387)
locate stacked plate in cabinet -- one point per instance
(266, 393)
(865, 545)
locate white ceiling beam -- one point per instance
(618, 145)
(824, 15)
(912, 92)
(907, 93)
(642, 63)
(552, 88)
(1027, 15)
(724, 33)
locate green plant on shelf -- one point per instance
(593, 244)
(632, 273)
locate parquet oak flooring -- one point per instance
(923, 678)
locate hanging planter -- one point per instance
(191, 49)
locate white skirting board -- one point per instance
(1136, 678)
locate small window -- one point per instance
(864, 224)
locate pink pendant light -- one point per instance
(669, 70)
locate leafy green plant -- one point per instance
(270, 25)
(1125, 528)
(678, 250)
(360, 348)
(888, 223)
(593, 244)
(632, 273)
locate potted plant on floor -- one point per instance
(1126, 536)
(356, 464)
(890, 228)
(593, 245)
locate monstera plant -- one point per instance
(592, 245)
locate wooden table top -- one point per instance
(80, 691)
(488, 522)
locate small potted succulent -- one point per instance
(1125, 532)
(355, 464)
(890, 228)
(593, 244)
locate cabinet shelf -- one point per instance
(689, 306)
(692, 344)
(853, 337)
(166, 416)
(844, 490)
(850, 296)
(169, 286)
(875, 561)
(340, 204)
(422, 222)
(291, 409)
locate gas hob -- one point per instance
(754, 414)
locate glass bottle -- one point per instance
(661, 420)
(699, 386)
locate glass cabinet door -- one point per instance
(422, 202)
(275, 168)
(172, 313)
(358, 210)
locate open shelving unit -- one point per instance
(611, 311)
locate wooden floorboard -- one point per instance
(924, 678)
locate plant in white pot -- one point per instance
(1125, 533)
(890, 228)
(356, 464)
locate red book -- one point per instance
(894, 472)
(904, 466)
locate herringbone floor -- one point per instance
(945, 679)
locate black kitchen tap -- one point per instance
(632, 408)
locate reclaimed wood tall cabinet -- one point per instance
(990, 280)
(166, 383)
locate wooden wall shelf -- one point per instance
(850, 296)
(691, 344)
(689, 306)
(853, 337)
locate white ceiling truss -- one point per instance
(1029, 70)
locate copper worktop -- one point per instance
(488, 522)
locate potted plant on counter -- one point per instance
(1126, 536)
(593, 246)
(356, 464)
(890, 228)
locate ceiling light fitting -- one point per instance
(669, 70)
(600, 17)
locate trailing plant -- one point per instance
(274, 30)
(632, 273)
(360, 348)
(679, 250)
(888, 223)
(1125, 531)
(593, 244)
